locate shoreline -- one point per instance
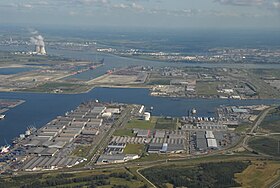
(17, 103)
(135, 87)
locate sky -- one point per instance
(143, 13)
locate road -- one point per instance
(275, 185)
(125, 116)
(144, 176)
(257, 123)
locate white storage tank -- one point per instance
(147, 116)
(27, 133)
(22, 136)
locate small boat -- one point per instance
(2, 116)
(193, 111)
(5, 149)
(92, 67)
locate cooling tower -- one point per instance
(43, 50)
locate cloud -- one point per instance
(130, 6)
(88, 2)
(241, 2)
(276, 5)
(27, 6)
(121, 6)
(73, 13)
(137, 6)
(268, 4)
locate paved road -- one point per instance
(250, 134)
(125, 116)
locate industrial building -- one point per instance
(212, 143)
(81, 126)
(166, 148)
(205, 140)
(159, 134)
(50, 163)
(115, 148)
(142, 133)
(116, 158)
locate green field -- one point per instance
(124, 132)
(159, 82)
(266, 145)
(163, 123)
(203, 175)
(141, 124)
(134, 149)
(243, 128)
(207, 88)
(272, 121)
(259, 174)
(264, 90)
(63, 87)
(105, 179)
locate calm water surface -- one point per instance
(42, 108)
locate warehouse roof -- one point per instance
(143, 133)
(212, 143)
(200, 134)
(201, 144)
(159, 134)
(209, 134)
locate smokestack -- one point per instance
(39, 43)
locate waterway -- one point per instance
(15, 70)
(42, 108)
(39, 109)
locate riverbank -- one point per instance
(40, 108)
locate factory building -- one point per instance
(212, 143)
(117, 158)
(50, 163)
(209, 135)
(206, 140)
(142, 133)
(166, 148)
(159, 134)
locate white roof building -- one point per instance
(209, 134)
(212, 143)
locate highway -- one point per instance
(252, 131)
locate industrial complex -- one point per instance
(104, 133)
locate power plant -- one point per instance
(39, 43)
(40, 50)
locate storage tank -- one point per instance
(27, 133)
(22, 136)
(147, 116)
(193, 111)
